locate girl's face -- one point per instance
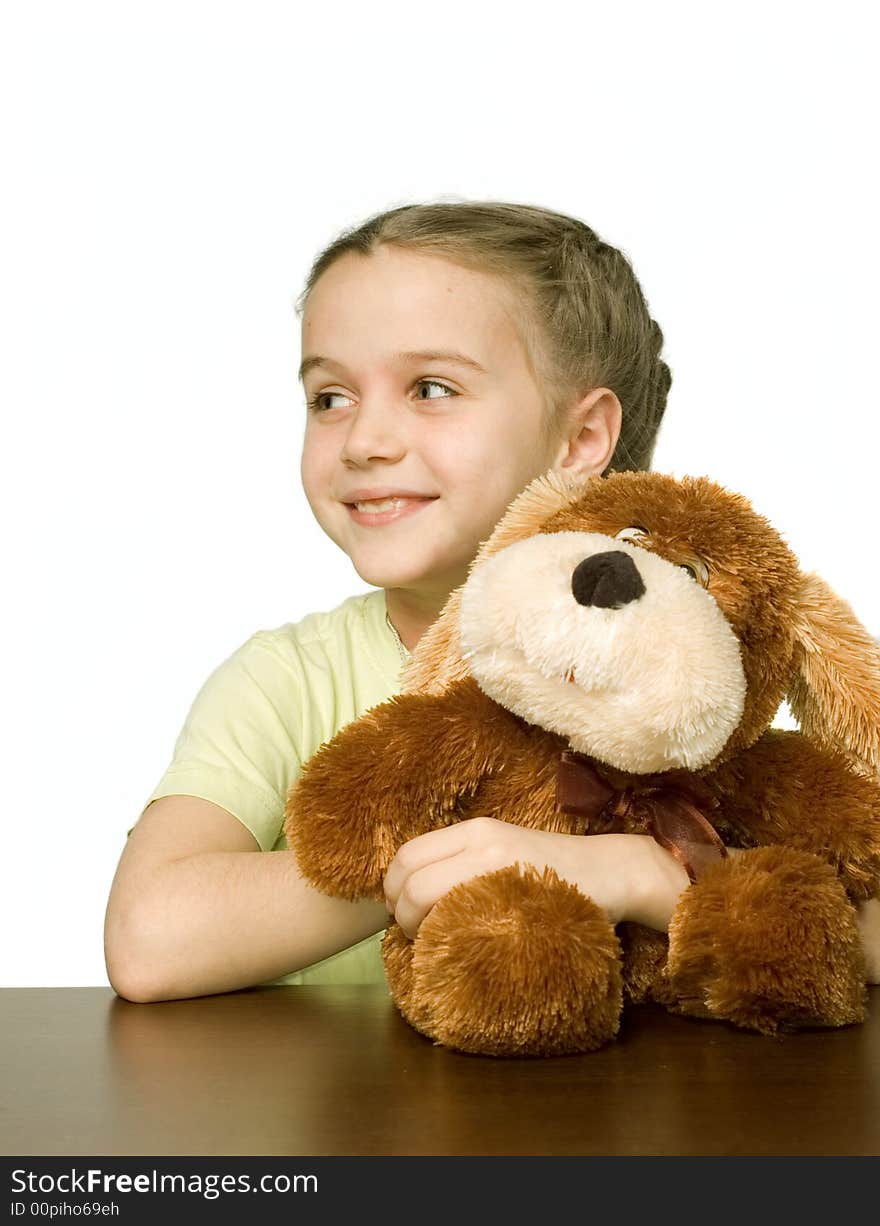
(462, 431)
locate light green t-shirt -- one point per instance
(265, 710)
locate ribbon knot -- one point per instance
(671, 811)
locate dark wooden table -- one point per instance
(336, 1070)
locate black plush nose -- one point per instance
(607, 580)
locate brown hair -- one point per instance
(582, 316)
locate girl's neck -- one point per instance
(412, 613)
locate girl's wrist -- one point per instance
(630, 876)
(657, 882)
(626, 876)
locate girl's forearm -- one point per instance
(654, 880)
(218, 921)
(629, 875)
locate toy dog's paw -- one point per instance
(768, 940)
(511, 963)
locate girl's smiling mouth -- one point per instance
(375, 513)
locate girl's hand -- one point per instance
(612, 869)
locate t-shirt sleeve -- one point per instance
(238, 744)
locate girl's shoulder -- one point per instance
(350, 642)
(362, 613)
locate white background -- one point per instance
(171, 170)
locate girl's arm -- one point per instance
(193, 911)
(629, 875)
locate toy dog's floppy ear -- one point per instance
(834, 693)
(438, 659)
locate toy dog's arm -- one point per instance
(787, 789)
(402, 768)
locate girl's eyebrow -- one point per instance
(410, 355)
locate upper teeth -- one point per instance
(381, 504)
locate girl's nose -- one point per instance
(374, 433)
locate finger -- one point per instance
(424, 888)
(422, 850)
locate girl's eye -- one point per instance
(315, 402)
(434, 383)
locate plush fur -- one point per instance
(654, 624)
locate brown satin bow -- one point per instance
(668, 810)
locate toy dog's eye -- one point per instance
(631, 534)
(698, 571)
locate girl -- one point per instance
(451, 353)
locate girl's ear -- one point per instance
(834, 692)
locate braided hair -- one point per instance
(581, 313)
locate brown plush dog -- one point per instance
(614, 661)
